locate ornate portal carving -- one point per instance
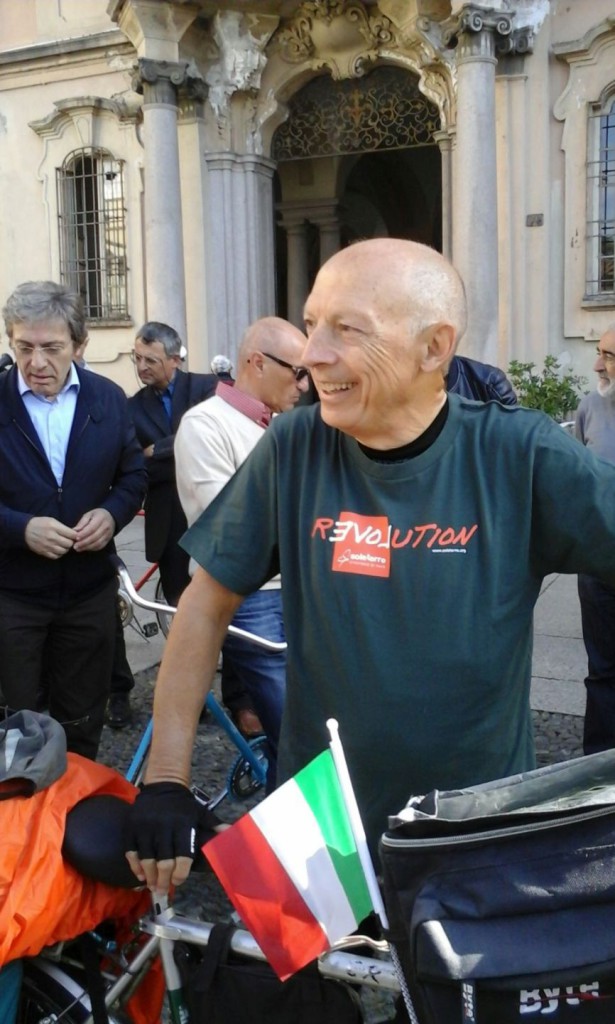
(383, 110)
(340, 35)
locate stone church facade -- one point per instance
(195, 162)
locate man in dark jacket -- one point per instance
(480, 381)
(71, 476)
(156, 411)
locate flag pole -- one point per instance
(356, 824)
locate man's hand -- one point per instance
(49, 537)
(94, 530)
(165, 829)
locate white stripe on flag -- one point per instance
(291, 829)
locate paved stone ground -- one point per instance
(558, 738)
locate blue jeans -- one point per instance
(598, 622)
(262, 673)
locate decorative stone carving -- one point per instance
(474, 18)
(241, 41)
(476, 31)
(519, 42)
(340, 35)
(484, 31)
(163, 81)
(81, 110)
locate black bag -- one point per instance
(223, 988)
(501, 898)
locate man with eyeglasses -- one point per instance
(157, 410)
(214, 439)
(595, 427)
(71, 477)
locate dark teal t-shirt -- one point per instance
(408, 588)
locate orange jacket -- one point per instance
(43, 899)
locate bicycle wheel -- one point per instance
(164, 618)
(49, 994)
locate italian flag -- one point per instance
(292, 870)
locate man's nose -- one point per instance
(304, 383)
(38, 357)
(318, 348)
(599, 364)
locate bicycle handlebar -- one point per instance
(155, 606)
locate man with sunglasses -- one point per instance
(595, 427)
(214, 439)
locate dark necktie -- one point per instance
(165, 398)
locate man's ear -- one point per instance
(440, 347)
(258, 361)
(78, 350)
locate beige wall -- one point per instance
(27, 22)
(541, 109)
(29, 92)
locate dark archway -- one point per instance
(379, 129)
(396, 194)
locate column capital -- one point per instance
(293, 223)
(165, 81)
(478, 32)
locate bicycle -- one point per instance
(248, 771)
(55, 983)
(127, 601)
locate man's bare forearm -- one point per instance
(186, 673)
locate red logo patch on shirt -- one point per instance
(362, 545)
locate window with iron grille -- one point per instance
(92, 224)
(601, 203)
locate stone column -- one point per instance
(297, 283)
(242, 271)
(444, 140)
(195, 233)
(328, 222)
(475, 32)
(159, 81)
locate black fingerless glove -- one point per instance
(166, 821)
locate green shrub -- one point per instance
(552, 389)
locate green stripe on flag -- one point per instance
(320, 786)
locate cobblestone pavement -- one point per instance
(558, 738)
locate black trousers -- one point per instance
(174, 576)
(122, 679)
(598, 623)
(71, 649)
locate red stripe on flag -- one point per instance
(265, 897)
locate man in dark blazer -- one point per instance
(156, 411)
(71, 477)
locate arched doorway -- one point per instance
(356, 159)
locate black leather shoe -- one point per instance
(119, 712)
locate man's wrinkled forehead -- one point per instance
(358, 280)
(606, 343)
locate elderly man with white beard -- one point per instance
(595, 427)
